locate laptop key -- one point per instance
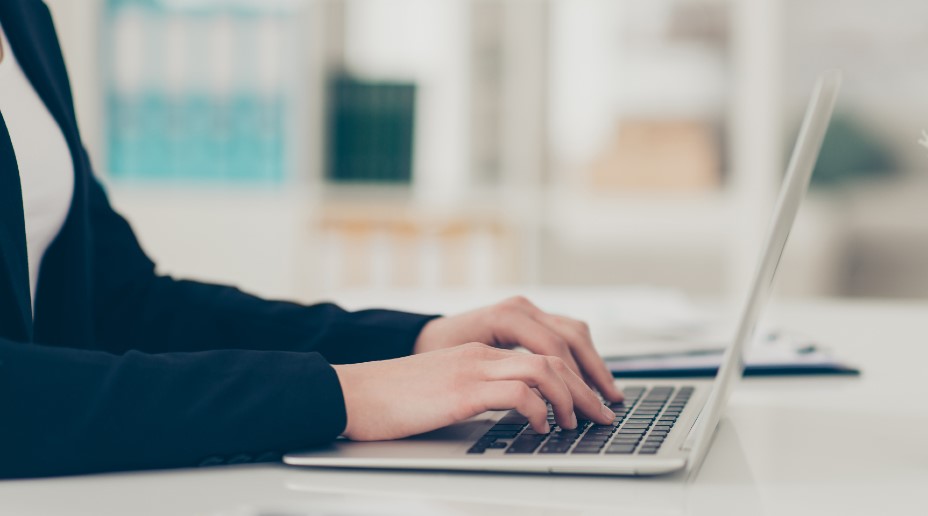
(510, 427)
(554, 449)
(523, 447)
(533, 434)
(620, 449)
(513, 419)
(589, 451)
(501, 434)
(476, 450)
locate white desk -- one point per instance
(788, 446)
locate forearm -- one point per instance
(69, 411)
(160, 314)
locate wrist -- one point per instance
(428, 336)
(345, 374)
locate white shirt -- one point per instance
(46, 171)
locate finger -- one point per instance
(514, 394)
(572, 342)
(580, 341)
(585, 400)
(518, 328)
(538, 372)
(531, 370)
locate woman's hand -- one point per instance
(518, 322)
(397, 398)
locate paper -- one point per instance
(776, 353)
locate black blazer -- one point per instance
(124, 369)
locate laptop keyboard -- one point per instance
(642, 422)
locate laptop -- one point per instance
(662, 426)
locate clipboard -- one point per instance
(762, 360)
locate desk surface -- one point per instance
(787, 446)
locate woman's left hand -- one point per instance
(518, 322)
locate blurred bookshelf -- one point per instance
(586, 130)
(199, 91)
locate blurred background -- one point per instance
(297, 148)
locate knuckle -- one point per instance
(503, 312)
(516, 302)
(583, 326)
(558, 364)
(540, 363)
(475, 349)
(520, 300)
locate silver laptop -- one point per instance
(661, 427)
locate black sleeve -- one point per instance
(138, 309)
(68, 411)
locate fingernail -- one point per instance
(607, 413)
(573, 418)
(546, 428)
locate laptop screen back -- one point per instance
(795, 183)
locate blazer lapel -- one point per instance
(15, 309)
(29, 28)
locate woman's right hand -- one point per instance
(397, 398)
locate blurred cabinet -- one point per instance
(388, 245)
